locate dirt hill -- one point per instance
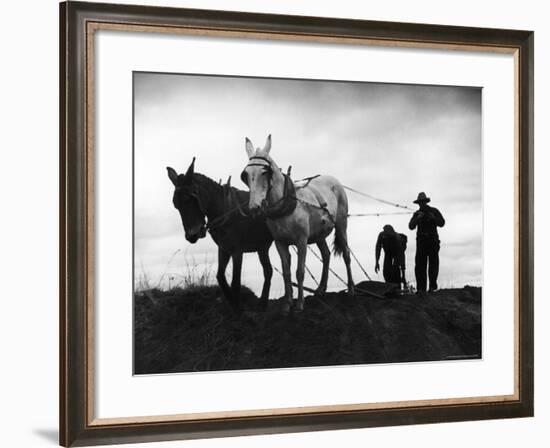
(195, 330)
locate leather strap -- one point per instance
(287, 204)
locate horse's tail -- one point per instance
(340, 244)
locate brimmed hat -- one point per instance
(422, 198)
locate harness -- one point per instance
(267, 168)
(288, 202)
(193, 192)
(228, 200)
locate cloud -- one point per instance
(388, 140)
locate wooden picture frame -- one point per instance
(78, 22)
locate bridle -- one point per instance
(192, 193)
(267, 169)
(287, 203)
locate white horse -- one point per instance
(298, 215)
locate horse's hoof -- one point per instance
(285, 310)
(320, 291)
(298, 306)
(263, 304)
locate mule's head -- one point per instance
(187, 201)
(258, 175)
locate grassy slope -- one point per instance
(194, 330)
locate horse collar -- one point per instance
(287, 204)
(284, 206)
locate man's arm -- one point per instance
(378, 247)
(414, 220)
(377, 252)
(438, 218)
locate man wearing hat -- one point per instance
(394, 245)
(426, 220)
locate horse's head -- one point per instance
(258, 175)
(187, 201)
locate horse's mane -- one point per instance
(211, 185)
(206, 182)
(216, 197)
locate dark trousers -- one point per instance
(427, 256)
(391, 270)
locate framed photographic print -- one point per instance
(278, 223)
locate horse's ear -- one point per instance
(172, 174)
(249, 147)
(229, 181)
(267, 146)
(191, 168)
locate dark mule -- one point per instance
(198, 199)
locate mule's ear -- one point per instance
(172, 175)
(191, 168)
(229, 181)
(249, 147)
(267, 146)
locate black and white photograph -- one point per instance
(256, 224)
(286, 223)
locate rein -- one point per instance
(219, 221)
(224, 218)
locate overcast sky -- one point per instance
(388, 140)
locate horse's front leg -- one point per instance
(263, 254)
(236, 280)
(300, 269)
(223, 260)
(284, 253)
